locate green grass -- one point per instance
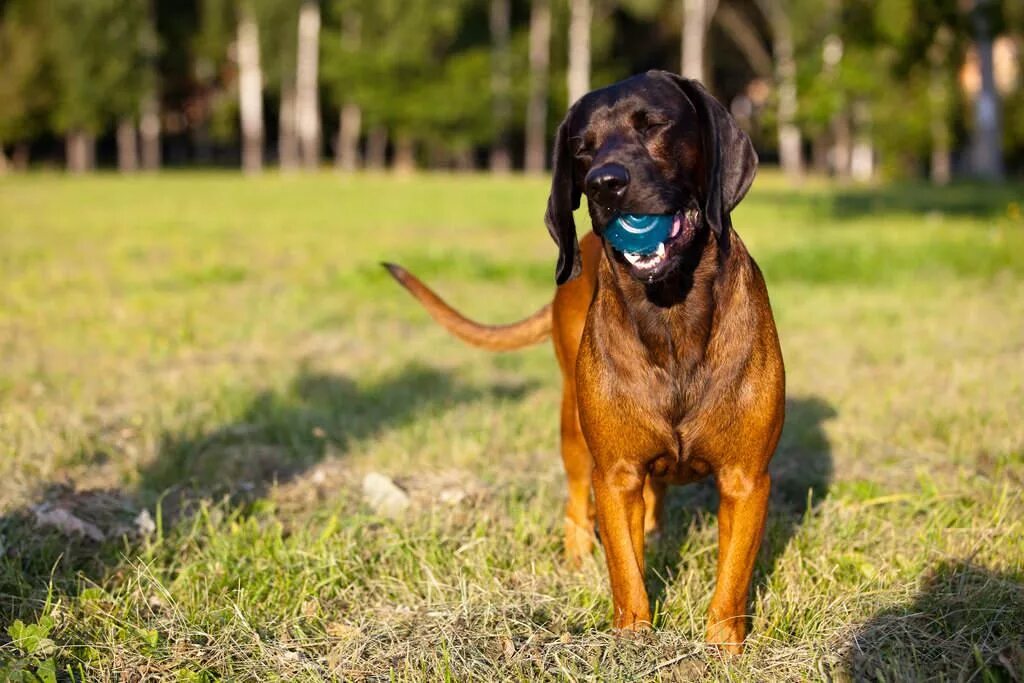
(226, 356)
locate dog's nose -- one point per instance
(607, 184)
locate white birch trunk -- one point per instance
(581, 16)
(250, 91)
(697, 16)
(790, 143)
(307, 105)
(537, 108)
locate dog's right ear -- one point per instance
(563, 200)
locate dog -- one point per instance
(671, 364)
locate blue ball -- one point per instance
(639, 233)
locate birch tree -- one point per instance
(697, 15)
(578, 76)
(537, 107)
(307, 103)
(250, 88)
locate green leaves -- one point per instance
(33, 643)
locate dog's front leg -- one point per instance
(741, 517)
(618, 493)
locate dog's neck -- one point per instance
(678, 314)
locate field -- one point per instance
(198, 370)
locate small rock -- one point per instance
(452, 496)
(144, 524)
(67, 523)
(384, 495)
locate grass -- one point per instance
(199, 369)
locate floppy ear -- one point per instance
(564, 198)
(729, 156)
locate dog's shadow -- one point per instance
(71, 537)
(801, 475)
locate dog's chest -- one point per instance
(641, 377)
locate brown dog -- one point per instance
(671, 362)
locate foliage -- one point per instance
(100, 51)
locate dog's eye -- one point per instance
(654, 125)
(647, 123)
(579, 146)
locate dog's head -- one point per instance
(655, 143)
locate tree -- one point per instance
(779, 14)
(578, 77)
(26, 85)
(697, 15)
(250, 88)
(307, 104)
(501, 19)
(100, 50)
(537, 109)
(986, 139)
(350, 115)
(407, 79)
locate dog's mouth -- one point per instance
(658, 263)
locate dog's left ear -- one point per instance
(563, 200)
(729, 156)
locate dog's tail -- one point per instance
(528, 331)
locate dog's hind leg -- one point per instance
(579, 511)
(654, 503)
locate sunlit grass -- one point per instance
(226, 355)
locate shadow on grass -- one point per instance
(966, 623)
(801, 472)
(277, 437)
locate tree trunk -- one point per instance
(377, 148)
(501, 83)
(287, 141)
(405, 154)
(463, 159)
(149, 132)
(307, 105)
(127, 145)
(939, 99)
(790, 143)
(841, 144)
(986, 143)
(5, 164)
(537, 109)
(697, 15)
(79, 150)
(350, 120)
(581, 16)
(20, 157)
(862, 154)
(745, 36)
(250, 91)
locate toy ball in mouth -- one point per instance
(638, 233)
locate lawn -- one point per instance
(198, 370)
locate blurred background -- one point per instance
(850, 88)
